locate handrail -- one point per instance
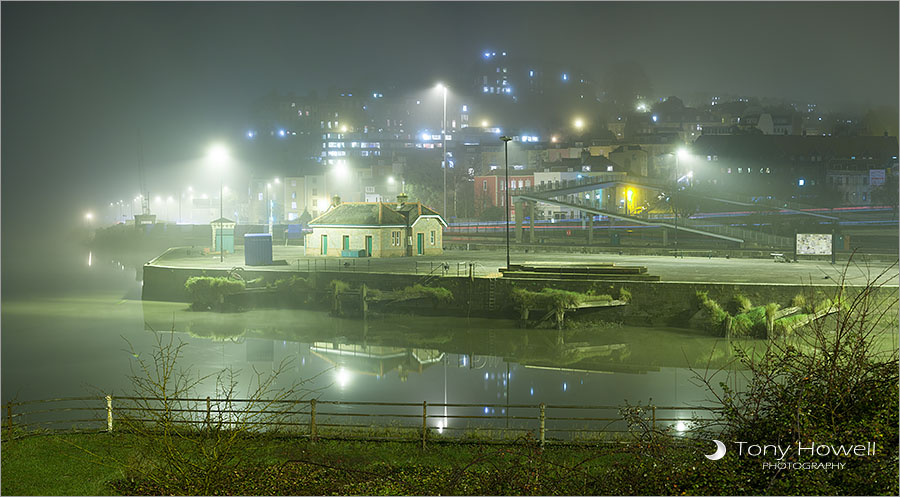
(207, 411)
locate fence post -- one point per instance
(208, 411)
(424, 421)
(109, 424)
(653, 410)
(312, 420)
(9, 422)
(542, 424)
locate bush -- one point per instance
(207, 293)
(182, 445)
(739, 304)
(833, 382)
(798, 301)
(549, 298)
(624, 294)
(437, 295)
(711, 317)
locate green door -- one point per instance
(324, 245)
(420, 243)
(368, 245)
(346, 243)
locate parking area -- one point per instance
(487, 263)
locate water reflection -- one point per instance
(398, 358)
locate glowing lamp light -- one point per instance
(426, 137)
(218, 153)
(630, 194)
(579, 123)
(342, 376)
(341, 170)
(484, 124)
(89, 216)
(681, 427)
(280, 132)
(391, 180)
(344, 128)
(682, 152)
(322, 204)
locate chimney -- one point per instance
(401, 199)
(335, 201)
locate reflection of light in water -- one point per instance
(680, 426)
(343, 377)
(532, 391)
(485, 376)
(565, 386)
(90, 259)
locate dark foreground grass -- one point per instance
(81, 464)
(78, 465)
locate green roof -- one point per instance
(374, 214)
(360, 214)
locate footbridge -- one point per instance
(593, 183)
(562, 197)
(728, 233)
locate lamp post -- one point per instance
(679, 154)
(268, 208)
(505, 140)
(444, 145)
(218, 154)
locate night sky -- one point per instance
(78, 79)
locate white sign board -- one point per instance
(876, 177)
(813, 244)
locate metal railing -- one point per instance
(315, 418)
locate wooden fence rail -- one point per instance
(308, 417)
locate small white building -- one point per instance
(381, 229)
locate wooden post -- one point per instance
(424, 422)
(542, 418)
(312, 420)
(9, 422)
(207, 412)
(109, 423)
(653, 409)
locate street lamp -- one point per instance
(505, 140)
(681, 153)
(218, 155)
(444, 145)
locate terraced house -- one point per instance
(376, 229)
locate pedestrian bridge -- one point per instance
(735, 234)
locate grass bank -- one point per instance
(75, 464)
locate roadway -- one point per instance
(488, 262)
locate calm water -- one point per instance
(66, 331)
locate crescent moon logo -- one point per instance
(718, 454)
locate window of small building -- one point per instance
(432, 237)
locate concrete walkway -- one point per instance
(670, 269)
